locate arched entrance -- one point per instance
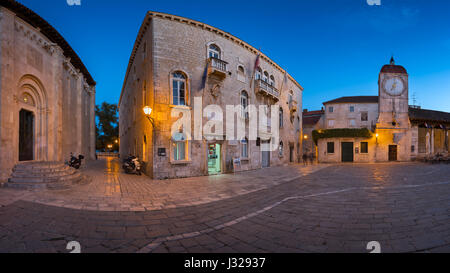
(32, 135)
(26, 135)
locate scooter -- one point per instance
(132, 165)
(75, 162)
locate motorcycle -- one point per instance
(75, 162)
(132, 165)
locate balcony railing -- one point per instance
(266, 89)
(217, 67)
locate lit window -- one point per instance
(179, 150)
(214, 51)
(179, 89)
(244, 148)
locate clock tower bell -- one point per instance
(393, 125)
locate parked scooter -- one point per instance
(131, 165)
(75, 162)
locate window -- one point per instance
(281, 115)
(241, 73)
(144, 94)
(179, 150)
(244, 104)
(330, 147)
(364, 147)
(266, 76)
(258, 74)
(272, 80)
(331, 123)
(331, 109)
(290, 96)
(352, 109)
(364, 116)
(244, 148)
(214, 51)
(179, 89)
(352, 123)
(281, 149)
(413, 149)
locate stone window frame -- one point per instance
(187, 88)
(258, 73)
(329, 123)
(241, 78)
(328, 147)
(350, 121)
(272, 80)
(244, 95)
(281, 149)
(265, 76)
(351, 109)
(281, 117)
(219, 46)
(245, 142)
(366, 150)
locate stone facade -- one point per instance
(169, 45)
(399, 132)
(41, 76)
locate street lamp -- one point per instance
(148, 111)
(305, 137)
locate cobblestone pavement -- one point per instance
(340, 208)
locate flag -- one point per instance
(205, 76)
(256, 67)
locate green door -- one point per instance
(214, 159)
(347, 151)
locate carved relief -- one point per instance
(35, 37)
(215, 90)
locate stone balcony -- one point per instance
(266, 89)
(218, 68)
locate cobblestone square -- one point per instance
(318, 208)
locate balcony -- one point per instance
(266, 89)
(217, 67)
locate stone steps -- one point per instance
(44, 175)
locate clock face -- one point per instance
(394, 86)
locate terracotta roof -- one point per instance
(416, 114)
(355, 99)
(312, 117)
(392, 68)
(52, 34)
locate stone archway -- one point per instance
(32, 115)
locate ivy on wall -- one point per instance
(335, 133)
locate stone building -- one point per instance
(47, 96)
(381, 128)
(312, 120)
(178, 65)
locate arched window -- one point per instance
(214, 51)
(258, 73)
(291, 96)
(281, 149)
(266, 76)
(281, 115)
(179, 93)
(244, 104)
(272, 80)
(241, 73)
(244, 148)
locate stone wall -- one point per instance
(62, 102)
(174, 45)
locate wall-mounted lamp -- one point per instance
(305, 137)
(148, 111)
(377, 135)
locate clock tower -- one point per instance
(393, 126)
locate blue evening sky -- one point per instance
(333, 48)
